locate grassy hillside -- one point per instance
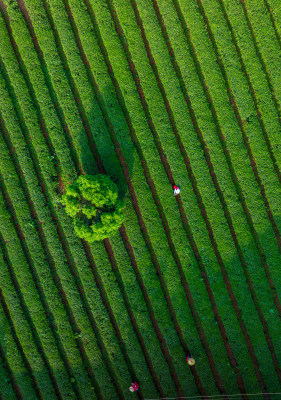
(152, 93)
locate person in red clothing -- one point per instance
(134, 387)
(176, 190)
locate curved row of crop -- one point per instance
(109, 292)
(105, 272)
(20, 373)
(47, 235)
(209, 72)
(268, 118)
(163, 158)
(274, 12)
(262, 102)
(189, 148)
(266, 44)
(105, 265)
(6, 386)
(11, 385)
(26, 291)
(92, 350)
(234, 79)
(179, 65)
(247, 51)
(190, 172)
(264, 170)
(87, 341)
(230, 42)
(182, 57)
(41, 263)
(93, 356)
(249, 54)
(127, 37)
(40, 92)
(95, 118)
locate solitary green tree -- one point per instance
(92, 201)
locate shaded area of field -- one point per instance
(152, 93)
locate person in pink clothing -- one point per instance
(134, 387)
(176, 190)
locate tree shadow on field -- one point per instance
(109, 134)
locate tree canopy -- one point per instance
(93, 203)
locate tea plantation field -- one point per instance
(152, 93)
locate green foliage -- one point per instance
(92, 201)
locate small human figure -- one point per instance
(176, 190)
(134, 387)
(190, 360)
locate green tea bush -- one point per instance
(92, 201)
